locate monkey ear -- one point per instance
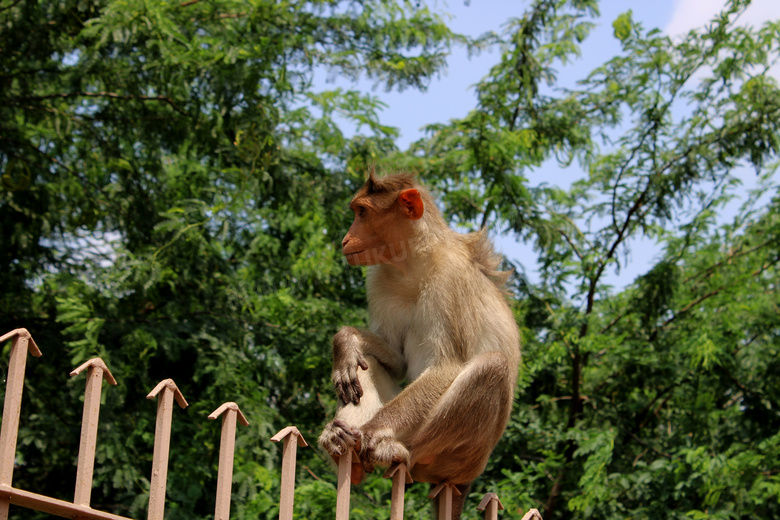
(411, 204)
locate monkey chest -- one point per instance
(419, 354)
(412, 337)
(391, 318)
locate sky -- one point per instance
(452, 95)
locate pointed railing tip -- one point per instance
(32, 347)
(169, 384)
(395, 468)
(229, 406)
(532, 514)
(290, 430)
(441, 486)
(486, 500)
(98, 363)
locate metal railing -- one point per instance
(166, 393)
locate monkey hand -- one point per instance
(347, 357)
(345, 379)
(382, 448)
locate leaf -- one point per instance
(622, 26)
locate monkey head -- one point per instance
(383, 227)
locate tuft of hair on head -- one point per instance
(383, 191)
(485, 256)
(391, 183)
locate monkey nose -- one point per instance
(344, 242)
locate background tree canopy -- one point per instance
(173, 196)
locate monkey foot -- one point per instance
(384, 450)
(337, 438)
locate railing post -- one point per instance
(445, 499)
(162, 443)
(490, 505)
(227, 448)
(343, 485)
(292, 440)
(96, 371)
(401, 477)
(12, 406)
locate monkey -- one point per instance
(438, 319)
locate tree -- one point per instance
(174, 188)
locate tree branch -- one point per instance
(571, 244)
(734, 253)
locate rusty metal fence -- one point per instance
(166, 393)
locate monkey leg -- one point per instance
(343, 432)
(455, 440)
(383, 436)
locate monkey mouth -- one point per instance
(353, 254)
(355, 257)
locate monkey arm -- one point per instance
(350, 346)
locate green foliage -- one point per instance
(174, 190)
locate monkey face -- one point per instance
(382, 236)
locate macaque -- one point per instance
(439, 320)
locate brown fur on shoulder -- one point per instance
(483, 254)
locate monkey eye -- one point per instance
(361, 211)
